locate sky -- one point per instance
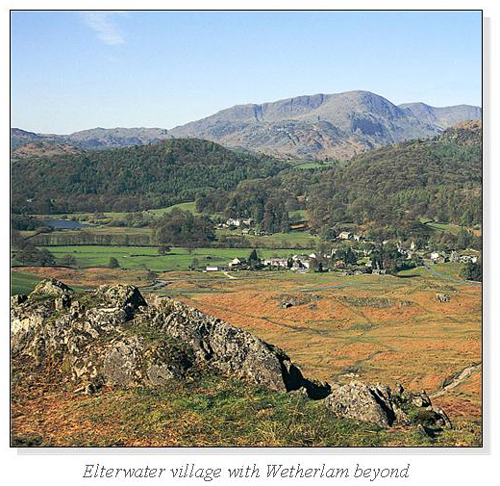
(72, 71)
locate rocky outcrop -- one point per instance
(51, 288)
(362, 402)
(112, 336)
(380, 405)
(442, 297)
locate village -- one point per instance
(350, 254)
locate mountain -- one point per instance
(320, 126)
(442, 117)
(19, 137)
(43, 148)
(324, 125)
(95, 138)
(132, 178)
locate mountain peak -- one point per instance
(324, 125)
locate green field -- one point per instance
(442, 227)
(450, 270)
(294, 239)
(135, 257)
(22, 283)
(108, 216)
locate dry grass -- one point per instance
(418, 344)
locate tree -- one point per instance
(113, 263)
(464, 239)
(254, 260)
(30, 255)
(163, 250)
(68, 261)
(195, 263)
(182, 228)
(472, 271)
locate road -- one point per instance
(446, 277)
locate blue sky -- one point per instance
(77, 70)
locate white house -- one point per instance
(435, 255)
(275, 262)
(237, 262)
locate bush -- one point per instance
(472, 271)
(113, 263)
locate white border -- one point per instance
(427, 466)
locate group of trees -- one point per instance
(26, 253)
(182, 228)
(472, 271)
(266, 201)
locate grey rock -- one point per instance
(63, 302)
(121, 296)
(443, 297)
(51, 287)
(362, 402)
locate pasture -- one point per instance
(139, 257)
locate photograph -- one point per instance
(246, 229)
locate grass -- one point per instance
(348, 331)
(446, 269)
(443, 227)
(300, 214)
(108, 216)
(320, 164)
(179, 259)
(387, 329)
(22, 283)
(294, 240)
(204, 411)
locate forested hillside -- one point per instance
(132, 178)
(395, 186)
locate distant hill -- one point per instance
(43, 148)
(324, 125)
(20, 137)
(132, 178)
(442, 117)
(320, 126)
(94, 139)
(440, 179)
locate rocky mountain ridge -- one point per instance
(114, 337)
(325, 125)
(318, 126)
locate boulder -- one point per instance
(442, 297)
(121, 296)
(362, 402)
(51, 287)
